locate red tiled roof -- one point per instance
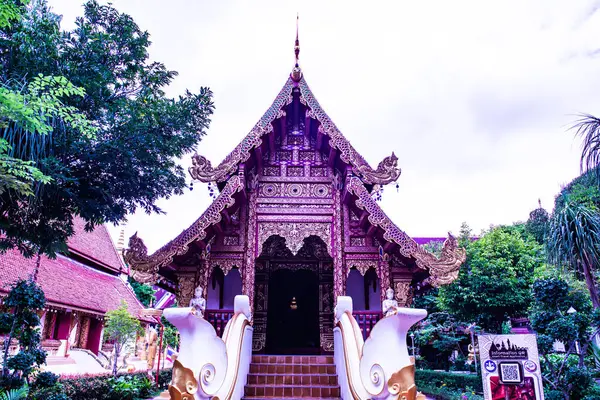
(96, 246)
(70, 284)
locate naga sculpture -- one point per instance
(380, 367)
(207, 366)
(146, 268)
(442, 270)
(387, 171)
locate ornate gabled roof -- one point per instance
(145, 267)
(387, 171)
(442, 270)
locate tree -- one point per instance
(19, 320)
(170, 333)
(573, 238)
(537, 224)
(143, 292)
(141, 133)
(120, 328)
(588, 127)
(495, 282)
(562, 313)
(438, 337)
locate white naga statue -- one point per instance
(389, 305)
(198, 302)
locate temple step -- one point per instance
(292, 377)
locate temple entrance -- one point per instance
(293, 314)
(293, 300)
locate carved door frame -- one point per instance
(324, 270)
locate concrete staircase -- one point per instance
(292, 377)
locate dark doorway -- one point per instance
(293, 314)
(280, 276)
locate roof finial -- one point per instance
(297, 72)
(297, 44)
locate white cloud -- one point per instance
(474, 97)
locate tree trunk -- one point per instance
(7, 347)
(117, 351)
(590, 282)
(36, 270)
(582, 352)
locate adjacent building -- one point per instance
(80, 287)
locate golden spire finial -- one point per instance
(297, 44)
(297, 72)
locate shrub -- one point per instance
(164, 378)
(553, 395)
(46, 380)
(448, 379)
(138, 385)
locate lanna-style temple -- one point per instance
(295, 224)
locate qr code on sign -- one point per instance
(510, 373)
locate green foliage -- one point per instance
(27, 113)
(588, 127)
(46, 379)
(537, 224)
(130, 387)
(494, 284)
(139, 132)
(427, 300)
(119, 328)
(143, 292)
(438, 336)
(102, 387)
(15, 394)
(20, 318)
(170, 333)
(11, 11)
(448, 385)
(549, 317)
(573, 240)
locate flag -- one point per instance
(171, 354)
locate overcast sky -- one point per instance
(475, 97)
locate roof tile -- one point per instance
(69, 283)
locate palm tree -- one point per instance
(573, 240)
(588, 127)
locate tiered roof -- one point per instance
(229, 175)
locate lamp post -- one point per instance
(412, 339)
(572, 311)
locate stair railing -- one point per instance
(380, 366)
(218, 319)
(221, 364)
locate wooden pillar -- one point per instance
(251, 249)
(383, 272)
(339, 277)
(185, 287)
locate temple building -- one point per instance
(295, 224)
(80, 287)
